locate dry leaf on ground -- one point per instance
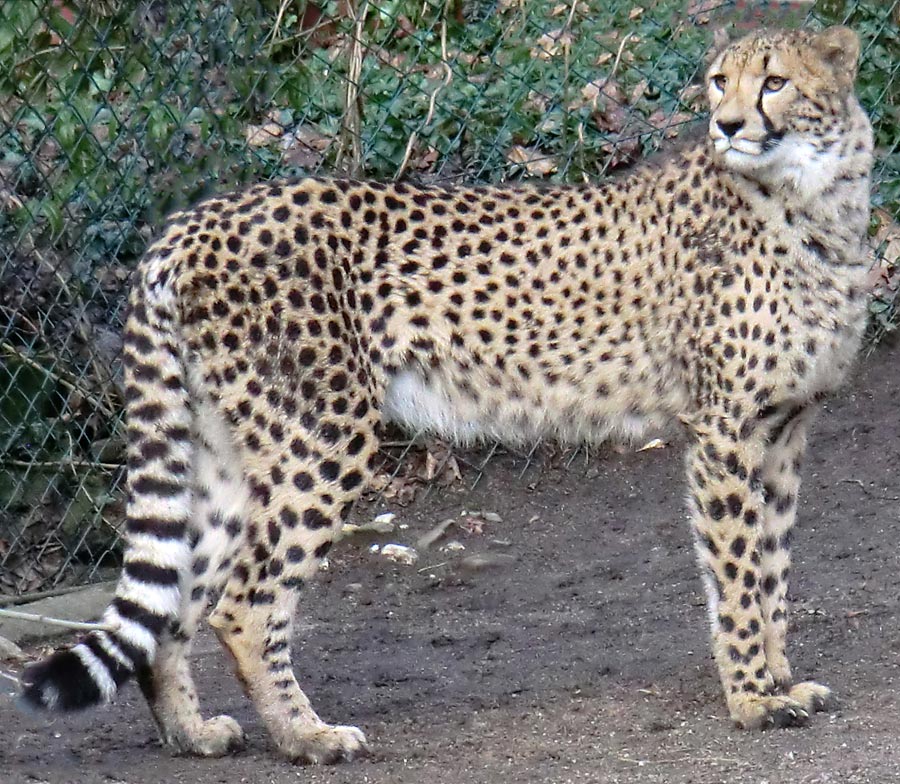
(261, 135)
(552, 44)
(669, 123)
(536, 162)
(436, 464)
(885, 273)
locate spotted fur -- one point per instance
(272, 331)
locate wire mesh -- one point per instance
(113, 114)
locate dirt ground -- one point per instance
(580, 654)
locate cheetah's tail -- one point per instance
(147, 597)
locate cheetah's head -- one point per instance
(782, 104)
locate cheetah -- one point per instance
(272, 332)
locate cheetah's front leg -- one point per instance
(727, 516)
(781, 482)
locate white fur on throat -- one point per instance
(793, 162)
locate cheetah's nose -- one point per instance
(730, 128)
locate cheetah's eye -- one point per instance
(720, 80)
(774, 83)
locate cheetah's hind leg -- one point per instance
(303, 482)
(219, 506)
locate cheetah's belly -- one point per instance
(426, 405)
(411, 402)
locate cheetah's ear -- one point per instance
(721, 39)
(839, 47)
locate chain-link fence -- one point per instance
(112, 114)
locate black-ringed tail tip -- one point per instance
(76, 678)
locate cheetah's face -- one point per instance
(777, 98)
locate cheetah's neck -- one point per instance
(823, 194)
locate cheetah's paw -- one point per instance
(214, 737)
(814, 697)
(780, 670)
(326, 744)
(754, 712)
